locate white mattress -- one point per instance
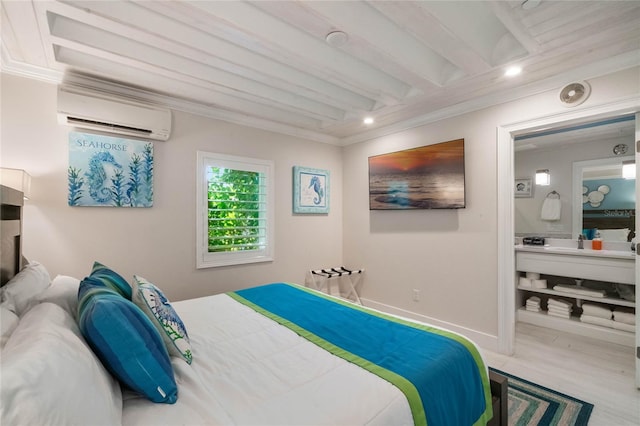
(249, 370)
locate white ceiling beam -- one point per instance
(22, 17)
(116, 67)
(367, 23)
(476, 25)
(425, 28)
(172, 35)
(308, 20)
(505, 14)
(591, 24)
(65, 29)
(296, 46)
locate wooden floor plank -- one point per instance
(598, 372)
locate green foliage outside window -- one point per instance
(235, 210)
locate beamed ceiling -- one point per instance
(268, 64)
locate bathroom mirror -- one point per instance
(603, 199)
(557, 149)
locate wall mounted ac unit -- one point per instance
(108, 113)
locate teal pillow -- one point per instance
(126, 341)
(111, 279)
(156, 306)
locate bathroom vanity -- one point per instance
(608, 267)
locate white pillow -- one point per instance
(50, 376)
(8, 323)
(21, 291)
(63, 291)
(614, 234)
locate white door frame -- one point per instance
(505, 214)
(637, 158)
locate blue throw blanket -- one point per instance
(441, 373)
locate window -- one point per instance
(235, 210)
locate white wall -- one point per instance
(449, 255)
(159, 243)
(559, 161)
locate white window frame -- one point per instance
(204, 259)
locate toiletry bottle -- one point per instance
(596, 244)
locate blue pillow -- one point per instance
(126, 342)
(111, 279)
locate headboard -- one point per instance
(11, 260)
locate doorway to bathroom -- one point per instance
(506, 202)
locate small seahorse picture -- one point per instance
(311, 190)
(109, 171)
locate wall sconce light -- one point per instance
(629, 169)
(17, 179)
(543, 177)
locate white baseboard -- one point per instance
(483, 340)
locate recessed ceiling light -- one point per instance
(513, 71)
(368, 120)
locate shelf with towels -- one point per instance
(605, 300)
(540, 273)
(575, 326)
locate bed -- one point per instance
(275, 354)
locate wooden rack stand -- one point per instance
(321, 279)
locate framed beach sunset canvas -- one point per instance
(428, 177)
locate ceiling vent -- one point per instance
(91, 110)
(573, 94)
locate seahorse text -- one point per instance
(101, 145)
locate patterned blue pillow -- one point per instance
(155, 305)
(126, 341)
(111, 279)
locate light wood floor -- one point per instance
(591, 370)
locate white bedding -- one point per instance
(242, 374)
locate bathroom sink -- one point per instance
(621, 254)
(554, 248)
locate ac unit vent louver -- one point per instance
(97, 111)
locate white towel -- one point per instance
(580, 290)
(539, 283)
(597, 321)
(551, 208)
(525, 282)
(624, 317)
(560, 308)
(596, 311)
(559, 311)
(565, 315)
(623, 326)
(559, 303)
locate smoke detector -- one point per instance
(573, 94)
(337, 38)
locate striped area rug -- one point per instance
(531, 404)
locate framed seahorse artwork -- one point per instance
(109, 171)
(310, 190)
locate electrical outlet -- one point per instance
(416, 295)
